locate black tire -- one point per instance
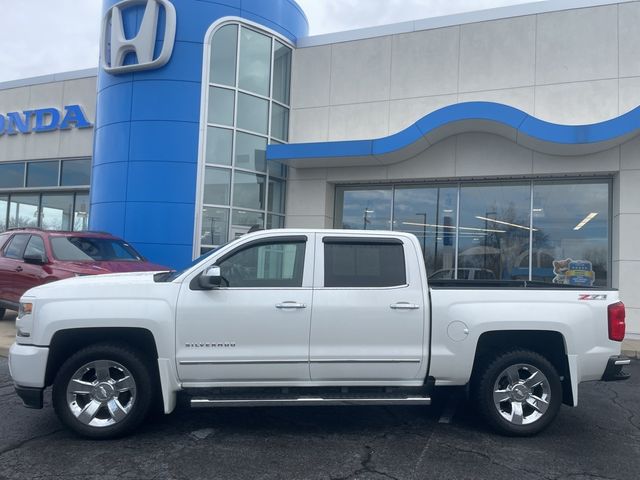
(497, 374)
(2, 312)
(139, 401)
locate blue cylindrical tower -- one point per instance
(148, 120)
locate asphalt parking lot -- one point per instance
(598, 440)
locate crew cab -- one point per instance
(310, 317)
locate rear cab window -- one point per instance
(364, 262)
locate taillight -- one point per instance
(616, 322)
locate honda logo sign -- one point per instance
(115, 46)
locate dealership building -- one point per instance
(504, 139)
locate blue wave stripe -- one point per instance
(523, 124)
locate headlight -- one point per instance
(24, 325)
(25, 309)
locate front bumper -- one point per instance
(28, 365)
(614, 372)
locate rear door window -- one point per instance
(364, 263)
(16, 246)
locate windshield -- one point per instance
(93, 249)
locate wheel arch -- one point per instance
(67, 342)
(551, 344)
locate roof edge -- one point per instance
(50, 78)
(521, 10)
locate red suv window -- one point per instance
(3, 238)
(16, 246)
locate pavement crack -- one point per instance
(18, 445)
(366, 467)
(493, 461)
(616, 401)
(566, 476)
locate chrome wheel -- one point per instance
(521, 394)
(101, 393)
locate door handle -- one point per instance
(404, 306)
(290, 305)
(18, 269)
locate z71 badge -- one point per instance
(587, 296)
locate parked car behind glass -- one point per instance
(464, 274)
(31, 257)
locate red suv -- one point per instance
(30, 257)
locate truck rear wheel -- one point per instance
(103, 391)
(519, 393)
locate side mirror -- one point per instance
(35, 259)
(210, 279)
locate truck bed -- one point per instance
(507, 285)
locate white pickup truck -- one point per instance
(309, 317)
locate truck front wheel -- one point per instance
(519, 393)
(103, 391)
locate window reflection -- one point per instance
(365, 209)
(281, 73)
(219, 146)
(221, 106)
(255, 62)
(217, 186)
(494, 230)
(244, 222)
(215, 224)
(12, 175)
(253, 113)
(23, 211)
(251, 152)
(49, 211)
(56, 211)
(571, 233)
(430, 214)
(279, 122)
(223, 56)
(4, 203)
(275, 221)
(81, 213)
(276, 196)
(42, 174)
(75, 172)
(249, 191)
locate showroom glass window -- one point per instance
(549, 231)
(49, 194)
(247, 109)
(571, 233)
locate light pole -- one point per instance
(366, 217)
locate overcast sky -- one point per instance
(49, 36)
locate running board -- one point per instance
(306, 401)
